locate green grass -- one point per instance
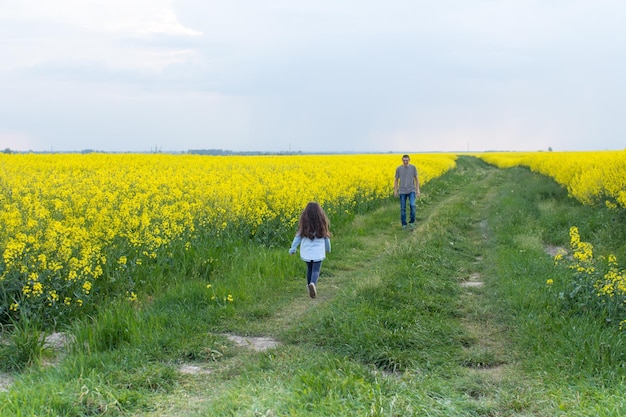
(392, 332)
(25, 347)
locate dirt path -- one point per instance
(485, 356)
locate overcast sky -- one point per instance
(312, 76)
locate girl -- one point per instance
(313, 237)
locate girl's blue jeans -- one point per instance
(313, 271)
(403, 198)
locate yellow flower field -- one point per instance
(590, 177)
(69, 220)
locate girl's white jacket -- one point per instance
(310, 249)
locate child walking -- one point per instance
(313, 236)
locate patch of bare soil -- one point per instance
(257, 344)
(472, 281)
(6, 381)
(555, 250)
(193, 369)
(56, 341)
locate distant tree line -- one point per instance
(228, 152)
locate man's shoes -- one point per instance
(404, 226)
(312, 290)
(411, 225)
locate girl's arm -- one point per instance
(294, 244)
(327, 244)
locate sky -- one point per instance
(312, 76)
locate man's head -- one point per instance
(405, 160)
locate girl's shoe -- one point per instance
(312, 290)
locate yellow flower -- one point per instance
(98, 272)
(26, 290)
(37, 289)
(549, 282)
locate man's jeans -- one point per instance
(403, 198)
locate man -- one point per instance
(406, 185)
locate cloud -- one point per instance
(75, 31)
(125, 17)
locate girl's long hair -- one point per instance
(313, 222)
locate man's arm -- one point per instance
(416, 181)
